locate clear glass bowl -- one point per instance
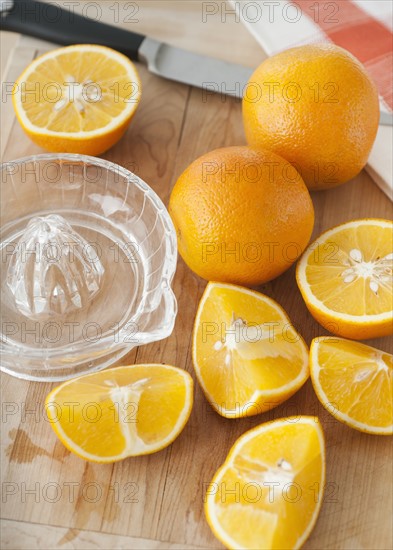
(88, 256)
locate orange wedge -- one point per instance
(354, 382)
(247, 356)
(269, 490)
(121, 412)
(346, 279)
(78, 99)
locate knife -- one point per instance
(55, 24)
(51, 22)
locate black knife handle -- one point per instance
(55, 24)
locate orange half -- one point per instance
(346, 279)
(77, 99)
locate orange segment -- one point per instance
(346, 280)
(268, 493)
(247, 356)
(77, 99)
(354, 382)
(121, 412)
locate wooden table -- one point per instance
(156, 502)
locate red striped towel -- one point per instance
(349, 25)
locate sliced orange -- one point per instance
(78, 99)
(346, 279)
(121, 412)
(269, 490)
(247, 355)
(354, 382)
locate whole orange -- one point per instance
(242, 215)
(317, 107)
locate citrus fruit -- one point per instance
(121, 412)
(354, 382)
(317, 107)
(77, 99)
(242, 215)
(269, 490)
(247, 356)
(345, 278)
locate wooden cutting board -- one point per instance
(52, 499)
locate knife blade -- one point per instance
(197, 70)
(53, 23)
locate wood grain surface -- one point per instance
(51, 498)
